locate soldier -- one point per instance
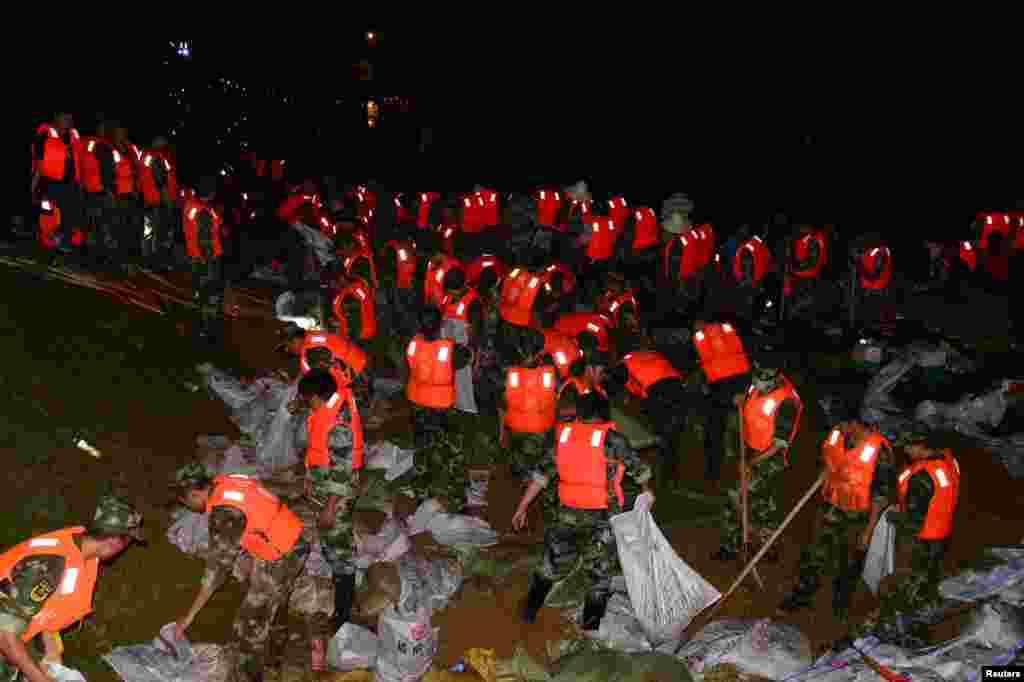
(929, 489)
(47, 583)
(201, 223)
(771, 419)
(588, 462)
(430, 388)
(462, 323)
(531, 398)
(861, 480)
(243, 515)
(333, 437)
(317, 349)
(486, 390)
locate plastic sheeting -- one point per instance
(322, 246)
(755, 647)
(881, 557)
(352, 648)
(159, 662)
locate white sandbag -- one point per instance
(427, 583)
(408, 645)
(352, 648)
(404, 462)
(666, 593)
(322, 246)
(476, 489)
(418, 522)
(620, 630)
(756, 647)
(165, 659)
(881, 558)
(458, 530)
(380, 455)
(62, 673)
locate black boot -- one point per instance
(344, 595)
(845, 585)
(802, 595)
(539, 588)
(593, 611)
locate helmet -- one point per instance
(115, 516)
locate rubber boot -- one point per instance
(344, 594)
(594, 608)
(802, 595)
(539, 588)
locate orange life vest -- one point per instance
(548, 206)
(190, 221)
(364, 293)
(55, 154)
(759, 416)
(645, 228)
(150, 193)
(322, 421)
(563, 350)
(583, 466)
(574, 324)
(403, 211)
(647, 368)
(721, 352)
(604, 232)
(945, 475)
(433, 285)
(124, 172)
(405, 263)
(473, 213)
(868, 263)
(531, 399)
(611, 304)
(518, 293)
(618, 210)
(490, 208)
(690, 260)
(756, 249)
(423, 208)
(568, 277)
(50, 219)
(289, 209)
(850, 472)
(803, 246)
(705, 235)
(72, 599)
(92, 176)
(968, 255)
(992, 223)
(481, 263)
(431, 377)
(276, 169)
(361, 251)
(340, 347)
(583, 386)
(271, 528)
(459, 310)
(571, 208)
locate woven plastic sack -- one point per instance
(665, 592)
(755, 647)
(352, 648)
(408, 645)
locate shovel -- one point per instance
(744, 505)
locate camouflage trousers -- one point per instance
(526, 450)
(427, 424)
(208, 287)
(835, 533)
(581, 534)
(270, 585)
(920, 589)
(763, 510)
(440, 472)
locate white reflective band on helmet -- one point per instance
(593, 327)
(44, 542)
(412, 349)
(565, 434)
(546, 380)
(905, 475)
(361, 294)
(769, 407)
(560, 356)
(699, 336)
(941, 475)
(513, 379)
(442, 354)
(402, 255)
(834, 438)
(192, 214)
(92, 145)
(67, 586)
(334, 400)
(595, 439)
(867, 453)
(534, 282)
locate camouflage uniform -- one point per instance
(526, 450)
(32, 580)
(429, 423)
(584, 533)
(440, 472)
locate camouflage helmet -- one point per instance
(320, 358)
(189, 475)
(675, 213)
(905, 439)
(115, 516)
(764, 378)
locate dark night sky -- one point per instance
(851, 134)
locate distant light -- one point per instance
(371, 36)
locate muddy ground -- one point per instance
(77, 361)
